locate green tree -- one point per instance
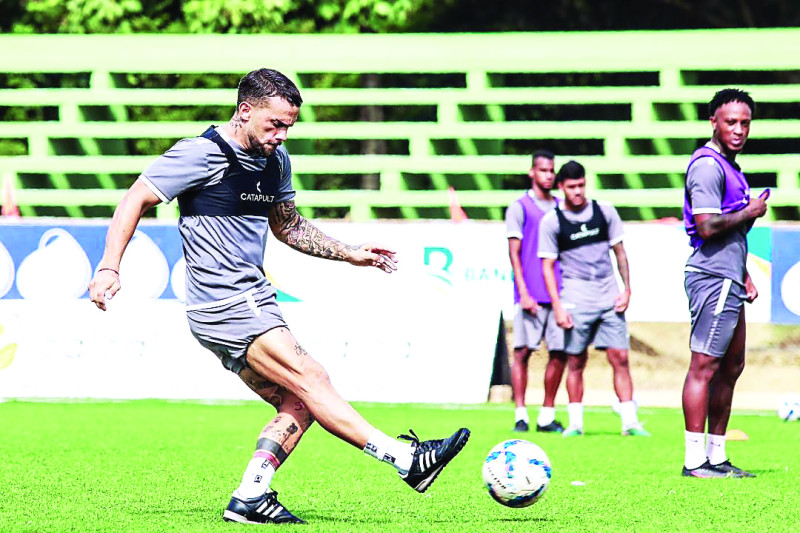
(210, 16)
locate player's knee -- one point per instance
(619, 363)
(732, 371)
(521, 356)
(313, 377)
(617, 358)
(703, 370)
(576, 364)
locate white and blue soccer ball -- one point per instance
(789, 407)
(516, 473)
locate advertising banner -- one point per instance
(786, 275)
(426, 333)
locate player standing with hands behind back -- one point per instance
(718, 213)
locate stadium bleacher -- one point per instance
(630, 105)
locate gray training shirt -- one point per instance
(589, 281)
(724, 255)
(224, 254)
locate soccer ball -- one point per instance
(516, 472)
(789, 407)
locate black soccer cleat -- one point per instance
(521, 426)
(430, 457)
(705, 470)
(732, 470)
(266, 509)
(553, 427)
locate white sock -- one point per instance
(546, 416)
(521, 413)
(384, 448)
(257, 477)
(575, 411)
(715, 449)
(627, 411)
(695, 451)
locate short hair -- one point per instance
(256, 86)
(728, 95)
(571, 170)
(546, 154)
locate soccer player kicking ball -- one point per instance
(718, 212)
(233, 183)
(590, 306)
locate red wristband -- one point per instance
(107, 268)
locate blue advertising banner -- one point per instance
(57, 261)
(785, 275)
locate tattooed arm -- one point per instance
(292, 229)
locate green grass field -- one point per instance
(161, 466)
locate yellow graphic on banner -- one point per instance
(7, 352)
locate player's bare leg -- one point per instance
(280, 436)
(720, 398)
(278, 357)
(695, 391)
(519, 375)
(553, 373)
(251, 502)
(720, 390)
(576, 363)
(702, 368)
(519, 386)
(623, 386)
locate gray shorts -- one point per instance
(529, 329)
(604, 327)
(229, 328)
(714, 304)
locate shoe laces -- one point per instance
(421, 446)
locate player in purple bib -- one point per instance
(717, 212)
(533, 316)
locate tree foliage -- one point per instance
(211, 16)
(380, 16)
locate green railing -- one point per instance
(628, 105)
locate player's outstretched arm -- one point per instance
(292, 229)
(129, 211)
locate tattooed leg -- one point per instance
(278, 438)
(278, 355)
